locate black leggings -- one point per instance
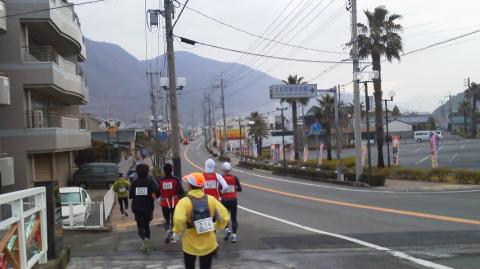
(143, 224)
(231, 206)
(205, 261)
(168, 216)
(123, 204)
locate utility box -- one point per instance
(6, 171)
(4, 90)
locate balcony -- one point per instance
(4, 89)
(3, 20)
(48, 72)
(48, 132)
(54, 21)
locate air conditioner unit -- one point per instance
(6, 171)
(38, 120)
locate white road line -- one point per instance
(398, 254)
(352, 190)
(462, 147)
(453, 157)
(440, 148)
(422, 160)
(415, 151)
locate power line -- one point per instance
(193, 42)
(52, 8)
(441, 42)
(257, 35)
(180, 14)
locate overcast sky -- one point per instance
(420, 80)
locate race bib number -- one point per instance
(230, 189)
(204, 225)
(141, 191)
(210, 184)
(167, 185)
(122, 189)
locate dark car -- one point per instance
(95, 174)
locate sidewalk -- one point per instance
(411, 185)
(122, 223)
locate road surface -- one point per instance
(290, 223)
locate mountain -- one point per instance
(441, 113)
(118, 85)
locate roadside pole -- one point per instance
(356, 95)
(224, 120)
(175, 137)
(337, 131)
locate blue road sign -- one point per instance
(163, 136)
(316, 128)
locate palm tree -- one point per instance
(294, 79)
(464, 108)
(380, 38)
(473, 94)
(324, 113)
(258, 130)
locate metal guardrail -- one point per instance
(24, 231)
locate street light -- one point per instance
(391, 94)
(370, 76)
(282, 108)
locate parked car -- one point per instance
(421, 136)
(96, 174)
(80, 201)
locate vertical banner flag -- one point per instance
(291, 152)
(255, 155)
(281, 152)
(396, 150)
(364, 152)
(320, 160)
(273, 152)
(434, 149)
(305, 153)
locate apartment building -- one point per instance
(41, 56)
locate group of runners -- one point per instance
(193, 208)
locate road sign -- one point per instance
(163, 136)
(286, 91)
(316, 129)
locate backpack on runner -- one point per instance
(202, 221)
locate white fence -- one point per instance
(23, 228)
(108, 202)
(88, 215)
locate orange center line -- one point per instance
(352, 205)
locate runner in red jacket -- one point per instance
(214, 183)
(230, 200)
(171, 191)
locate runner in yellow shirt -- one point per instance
(194, 218)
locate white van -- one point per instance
(421, 136)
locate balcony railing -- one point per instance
(40, 54)
(49, 54)
(40, 119)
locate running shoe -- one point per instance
(228, 232)
(233, 238)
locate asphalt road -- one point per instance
(461, 153)
(442, 228)
(290, 223)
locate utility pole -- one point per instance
(175, 134)
(337, 130)
(209, 122)
(283, 135)
(240, 138)
(224, 120)
(356, 95)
